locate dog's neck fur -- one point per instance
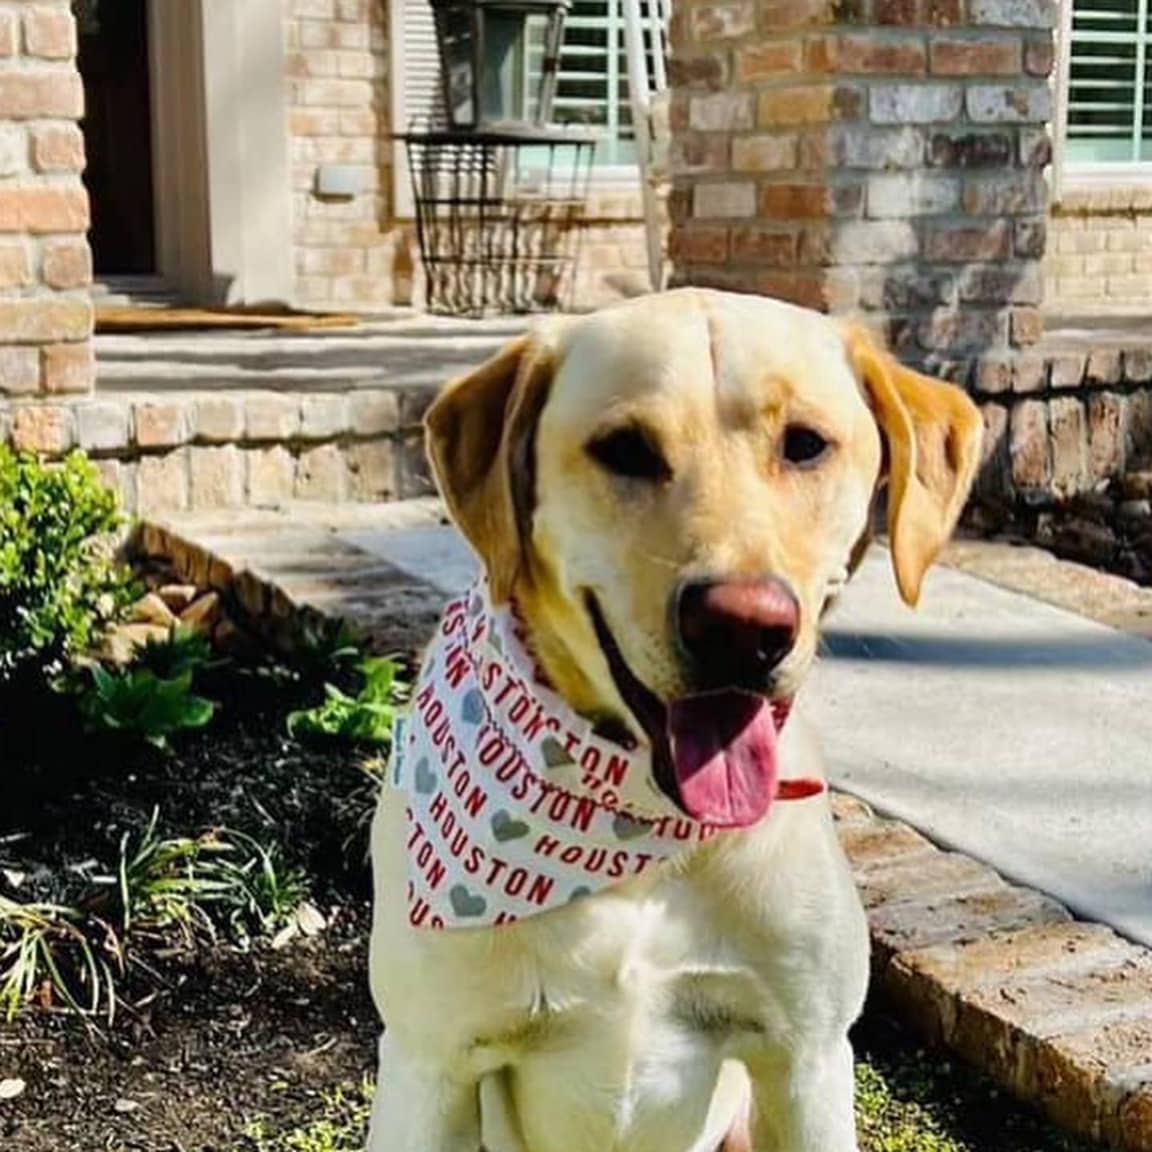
(561, 666)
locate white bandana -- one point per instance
(514, 803)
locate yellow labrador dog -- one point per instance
(665, 496)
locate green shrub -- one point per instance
(60, 585)
(138, 703)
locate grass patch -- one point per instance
(890, 1118)
(909, 1099)
(222, 880)
(55, 955)
(341, 1126)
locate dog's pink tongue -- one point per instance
(723, 748)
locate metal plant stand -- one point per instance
(499, 214)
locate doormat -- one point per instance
(110, 320)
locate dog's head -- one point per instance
(675, 488)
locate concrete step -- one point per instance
(309, 561)
(415, 353)
(236, 420)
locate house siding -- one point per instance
(886, 161)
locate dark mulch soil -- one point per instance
(75, 794)
(215, 1036)
(234, 1039)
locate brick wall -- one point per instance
(613, 253)
(1099, 256)
(45, 266)
(875, 156)
(353, 253)
(338, 62)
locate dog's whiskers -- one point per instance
(664, 561)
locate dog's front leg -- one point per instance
(420, 1108)
(804, 1101)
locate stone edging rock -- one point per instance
(1058, 1011)
(1101, 596)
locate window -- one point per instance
(591, 88)
(1109, 86)
(592, 84)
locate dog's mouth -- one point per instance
(714, 754)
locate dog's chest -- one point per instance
(621, 1047)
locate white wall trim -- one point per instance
(1106, 176)
(249, 173)
(179, 156)
(222, 173)
(1060, 74)
(403, 206)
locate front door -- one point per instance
(113, 61)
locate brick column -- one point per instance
(876, 156)
(45, 261)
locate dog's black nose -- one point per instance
(737, 631)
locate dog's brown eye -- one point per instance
(629, 452)
(804, 446)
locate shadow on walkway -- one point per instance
(1078, 652)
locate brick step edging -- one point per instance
(1058, 1011)
(238, 449)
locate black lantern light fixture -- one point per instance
(498, 61)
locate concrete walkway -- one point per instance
(1009, 729)
(1001, 726)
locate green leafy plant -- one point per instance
(137, 702)
(58, 955)
(321, 648)
(158, 883)
(222, 879)
(184, 651)
(74, 954)
(367, 716)
(60, 584)
(257, 891)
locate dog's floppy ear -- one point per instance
(479, 433)
(933, 432)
